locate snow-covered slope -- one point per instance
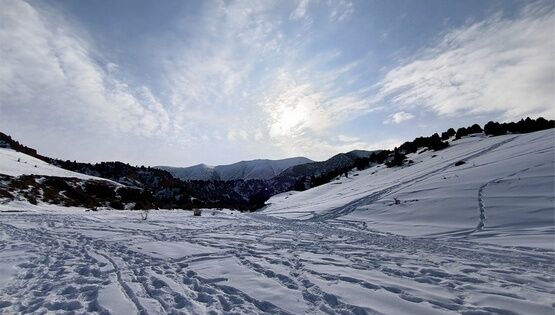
(258, 169)
(338, 163)
(312, 252)
(255, 169)
(503, 193)
(15, 163)
(71, 261)
(196, 172)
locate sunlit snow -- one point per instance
(429, 238)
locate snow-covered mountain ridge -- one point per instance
(254, 169)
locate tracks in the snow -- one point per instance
(482, 215)
(380, 194)
(73, 267)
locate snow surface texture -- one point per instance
(112, 261)
(467, 239)
(255, 169)
(15, 163)
(503, 193)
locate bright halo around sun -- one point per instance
(289, 120)
(295, 111)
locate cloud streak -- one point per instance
(499, 65)
(243, 65)
(48, 75)
(252, 78)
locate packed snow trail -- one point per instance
(113, 262)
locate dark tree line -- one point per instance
(433, 142)
(378, 157)
(497, 129)
(523, 126)
(448, 134)
(397, 157)
(463, 132)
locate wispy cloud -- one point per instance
(213, 74)
(500, 65)
(262, 77)
(341, 10)
(399, 117)
(239, 76)
(243, 66)
(48, 75)
(300, 11)
(304, 106)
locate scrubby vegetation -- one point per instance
(72, 192)
(146, 188)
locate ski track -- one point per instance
(68, 267)
(367, 200)
(482, 216)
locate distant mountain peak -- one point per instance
(251, 169)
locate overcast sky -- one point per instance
(184, 82)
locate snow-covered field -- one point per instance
(470, 239)
(71, 260)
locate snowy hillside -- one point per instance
(15, 163)
(437, 236)
(196, 172)
(258, 169)
(504, 193)
(255, 169)
(337, 164)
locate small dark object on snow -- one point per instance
(144, 214)
(197, 212)
(461, 162)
